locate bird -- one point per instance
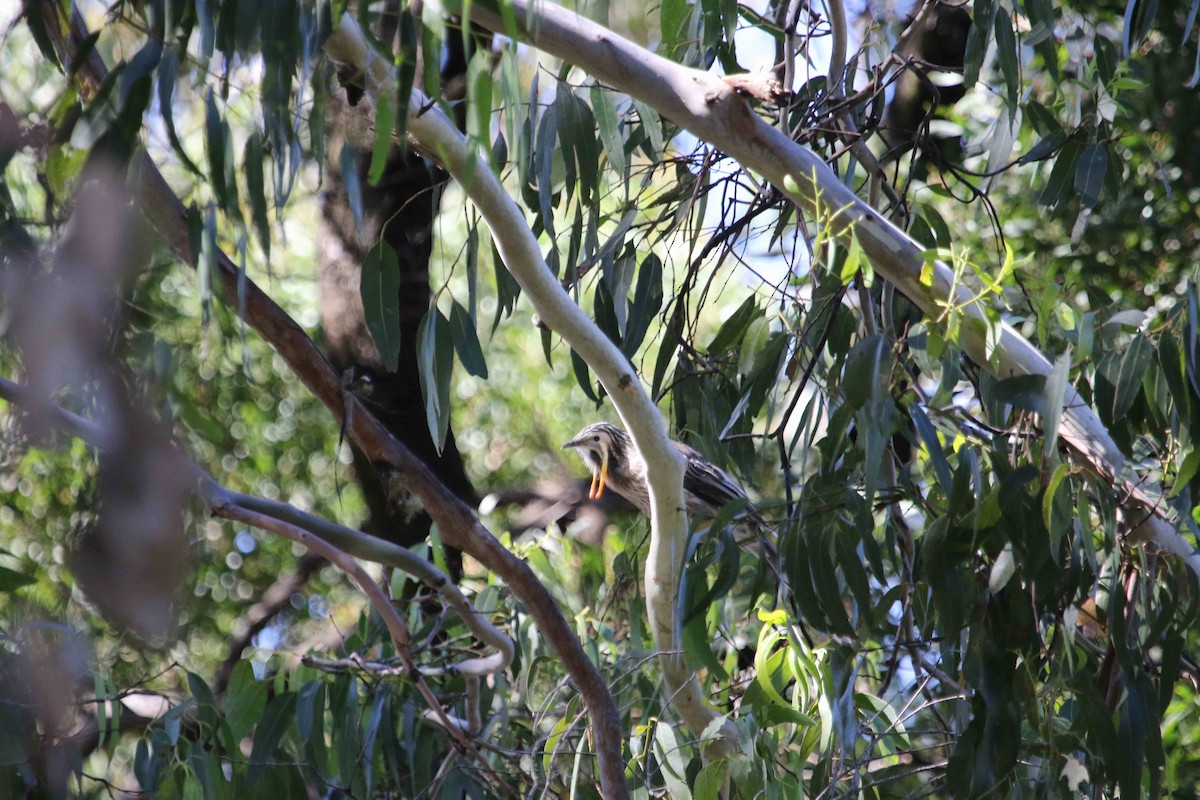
(615, 462)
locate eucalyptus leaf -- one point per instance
(379, 287)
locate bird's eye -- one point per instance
(595, 438)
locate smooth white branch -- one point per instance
(709, 107)
(433, 133)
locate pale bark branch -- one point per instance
(436, 135)
(706, 105)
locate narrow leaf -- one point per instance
(275, 721)
(466, 341)
(379, 287)
(1089, 173)
(385, 123)
(1055, 392)
(435, 363)
(252, 165)
(605, 111)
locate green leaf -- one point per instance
(385, 123)
(577, 131)
(605, 111)
(206, 265)
(696, 638)
(205, 703)
(933, 446)
(753, 344)
(1057, 512)
(1025, 392)
(1044, 147)
(652, 125)
(479, 98)
(824, 577)
(734, 329)
(543, 154)
(466, 341)
(252, 165)
(977, 40)
(310, 723)
(1119, 378)
(674, 16)
(219, 143)
(215, 133)
(1057, 190)
(507, 289)
(583, 376)
(435, 363)
(244, 700)
(276, 719)
(666, 352)
(1089, 173)
(1055, 394)
(604, 313)
(868, 368)
(1133, 731)
(11, 580)
(1006, 51)
(166, 106)
(379, 287)
(711, 780)
(646, 302)
(1187, 470)
(672, 760)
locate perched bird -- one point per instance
(614, 461)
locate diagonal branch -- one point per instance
(706, 105)
(348, 541)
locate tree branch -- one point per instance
(456, 522)
(348, 541)
(371, 548)
(708, 107)
(437, 135)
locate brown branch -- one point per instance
(380, 602)
(455, 520)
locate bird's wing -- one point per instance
(712, 484)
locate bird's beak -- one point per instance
(598, 488)
(600, 477)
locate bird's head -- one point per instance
(599, 444)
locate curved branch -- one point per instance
(706, 105)
(371, 548)
(223, 502)
(437, 135)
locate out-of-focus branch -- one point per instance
(274, 600)
(455, 520)
(233, 505)
(224, 506)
